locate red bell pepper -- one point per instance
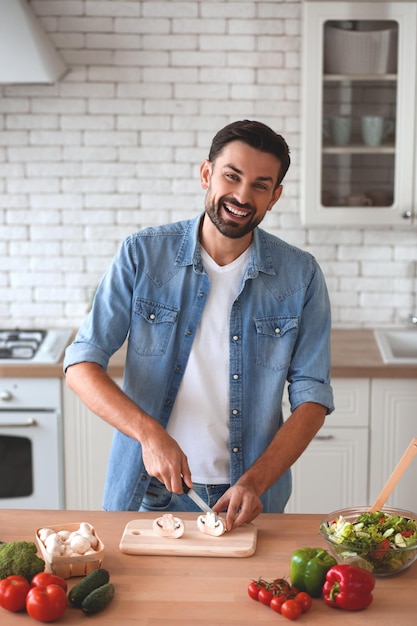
(348, 587)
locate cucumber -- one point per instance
(98, 599)
(97, 578)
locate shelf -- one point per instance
(359, 149)
(329, 78)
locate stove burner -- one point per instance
(33, 347)
(20, 344)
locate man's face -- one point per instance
(240, 187)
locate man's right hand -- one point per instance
(164, 459)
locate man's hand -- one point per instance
(242, 504)
(164, 459)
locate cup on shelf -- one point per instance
(340, 130)
(375, 128)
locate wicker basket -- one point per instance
(369, 50)
(70, 566)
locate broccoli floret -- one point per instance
(19, 558)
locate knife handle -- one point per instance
(185, 487)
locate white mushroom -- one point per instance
(87, 531)
(169, 526)
(54, 545)
(79, 544)
(43, 533)
(211, 524)
(64, 534)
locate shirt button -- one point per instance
(235, 337)
(235, 449)
(277, 331)
(235, 376)
(189, 332)
(178, 368)
(235, 412)
(152, 316)
(201, 294)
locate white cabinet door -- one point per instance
(333, 472)
(393, 425)
(87, 440)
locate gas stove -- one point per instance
(33, 346)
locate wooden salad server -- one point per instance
(392, 481)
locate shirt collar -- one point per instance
(190, 250)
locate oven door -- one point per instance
(31, 459)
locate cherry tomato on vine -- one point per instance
(291, 609)
(13, 592)
(46, 604)
(277, 602)
(254, 588)
(305, 601)
(265, 596)
(43, 579)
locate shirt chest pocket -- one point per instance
(152, 326)
(275, 339)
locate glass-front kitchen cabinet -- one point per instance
(359, 115)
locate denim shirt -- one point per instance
(154, 294)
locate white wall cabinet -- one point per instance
(332, 472)
(393, 426)
(359, 61)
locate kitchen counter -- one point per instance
(355, 354)
(211, 591)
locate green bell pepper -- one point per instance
(308, 570)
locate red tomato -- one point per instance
(43, 579)
(277, 602)
(305, 601)
(383, 548)
(46, 604)
(291, 609)
(265, 596)
(13, 592)
(254, 588)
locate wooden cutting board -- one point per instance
(139, 538)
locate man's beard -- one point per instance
(230, 228)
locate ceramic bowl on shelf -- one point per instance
(384, 542)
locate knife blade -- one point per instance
(196, 498)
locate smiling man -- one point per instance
(219, 315)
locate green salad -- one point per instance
(387, 542)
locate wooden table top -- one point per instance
(207, 591)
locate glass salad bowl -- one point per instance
(383, 542)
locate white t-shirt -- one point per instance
(200, 418)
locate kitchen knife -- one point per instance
(196, 498)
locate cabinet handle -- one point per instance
(323, 437)
(407, 214)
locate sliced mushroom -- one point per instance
(211, 524)
(169, 526)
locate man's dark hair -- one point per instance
(256, 135)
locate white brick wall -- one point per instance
(116, 146)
